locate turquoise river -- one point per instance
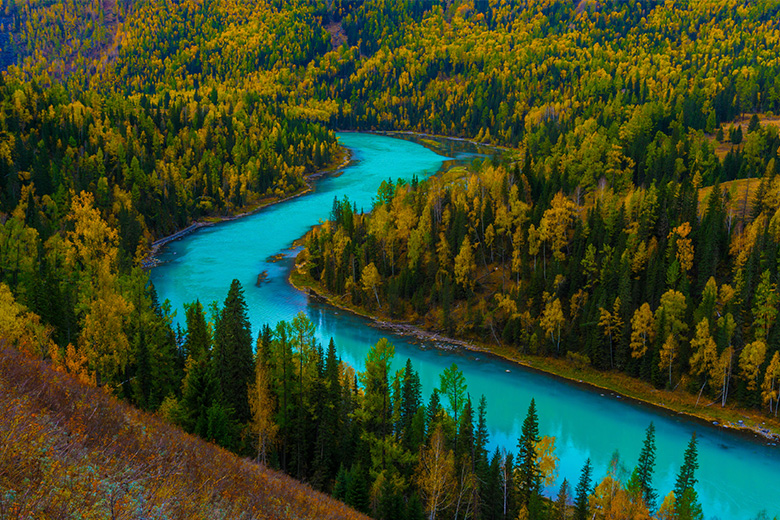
(738, 475)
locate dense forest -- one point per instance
(634, 227)
(649, 281)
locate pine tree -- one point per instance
(582, 492)
(530, 476)
(686, 504)
(233, 360)
(481, 436)
(198, 389)
(410, 401)
(490, 489)
(433, 410)
(464, 444)
(357, 489)
(341, 484)
(143, 376)
(641, 481)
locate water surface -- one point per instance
(737, 475)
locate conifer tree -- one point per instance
(529, 475)
(641, 480)
(410, 400)
(481, 436)
(582, 492)
(464, 444)
(356, 494)
(233, 362)
(686, 503)
(433, 410)
(198, 388)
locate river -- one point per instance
(738, 475)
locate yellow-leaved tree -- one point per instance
(93, 254)
(612, 324)
(465, 266)
(436, 475)
(671, 312)
(705, 354)
(371, 279)
(769, 390)
(642, 330)
(750, 361)
(552, 320)
(261, 404)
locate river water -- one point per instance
(738, 475)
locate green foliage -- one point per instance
(582, 491)
(529, 478)
(452, 385)
(232, 359)
(684, 493)
(641, 480)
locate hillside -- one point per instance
(72, 451)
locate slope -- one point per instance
(71, 451)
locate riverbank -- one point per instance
(745, 422)
(343, 159)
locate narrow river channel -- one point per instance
(738, 476)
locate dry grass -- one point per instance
(70, 451)
(741, 195)
(722, 149)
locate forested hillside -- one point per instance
(633, 227)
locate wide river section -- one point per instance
(738, 476)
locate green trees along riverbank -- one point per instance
(661, 283)
(373, 440)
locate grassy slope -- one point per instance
(72, 451)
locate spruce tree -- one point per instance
(357, 489)
(465, 440)
(490, 495)
(582, 492)
(410, 401)
(432, 410)
(530, 476)
(686, 503)
(233, 360)
(198, 340)
(341, 484)
(481, 436)
(198, 389)
(143, 376)
(641, 481)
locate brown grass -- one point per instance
(742, 192)
(721, 149)
(70, 451)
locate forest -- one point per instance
(634, 227)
